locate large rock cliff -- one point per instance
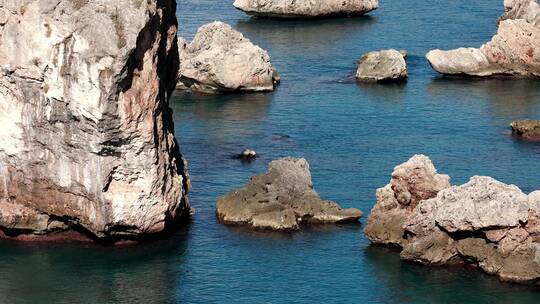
(514, 50)
(88, 139)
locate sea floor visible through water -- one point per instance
(351, 134)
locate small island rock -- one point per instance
(526, 128)
(221, 59)
(514, 50)
(386, 65)
(305, 8)
(281, 199)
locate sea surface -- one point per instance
(352, 135)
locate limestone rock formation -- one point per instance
(281, 199)
(305, 8)
(514, 50)
(526, 128)
(484, 223)
(413, 181)
(88, 139)
(386, 65)
(221, 59)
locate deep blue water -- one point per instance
(352, 135)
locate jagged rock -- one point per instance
(221, 59)
(281, 199)
(386, 65)
(514, 50)
(484, 223)
(411, 182)
(88, 141)
(526, 128)
(305, 8)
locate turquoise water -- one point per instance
(352, 135)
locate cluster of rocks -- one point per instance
(88, 139)
(305, 8)
(281, 199)
(484, 222)
(220, 59)
(512, 51)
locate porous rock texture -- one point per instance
(281, 199)
(386, 65)
(514, 50)
(527, 128)
(221, 59)
(485, 223)
(305, 8)
(88, 139)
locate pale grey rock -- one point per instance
(221, 59)
(88, 138)
(281, 199)
(514, 50)
(386, 65)
(305, 8)
(413, 181)
(526, 128)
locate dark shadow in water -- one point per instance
(412, 283)
(75, 273)
(223, 107)
(507, 97)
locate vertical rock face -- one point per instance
(88, 140)
(484, 222)
(514, 50)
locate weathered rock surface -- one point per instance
(526, 128)
(281, 199)
(484, 222)
(413, 181)
(514, 50)
(221, 59)
(88, 139)
(305, 8)
(386, 65)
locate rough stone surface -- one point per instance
(221, 59)
(484, 223)
(305, 8)
(386, 65)
(413, 181)
(88, 139)
(514, 50)
(526, 128)
(281, 199)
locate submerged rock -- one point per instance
(88, 141)
(221, 59)
(514, 50)
(281, 199)
(484, 222)
(387, 65)
(305, 8)
(526, 128)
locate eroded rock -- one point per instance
(88, 139)
(386, 65)
(526, 128)
(281, 199)
(221, 59)
(514, 50)
(305, 8)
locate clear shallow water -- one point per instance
(352, 135)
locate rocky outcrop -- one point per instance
(305, 8)
(484, 222)
(221, 59)
(526, 128)
(514, 50)
(387, 65)
(281, 199)
(413, 181)
(88, 142)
